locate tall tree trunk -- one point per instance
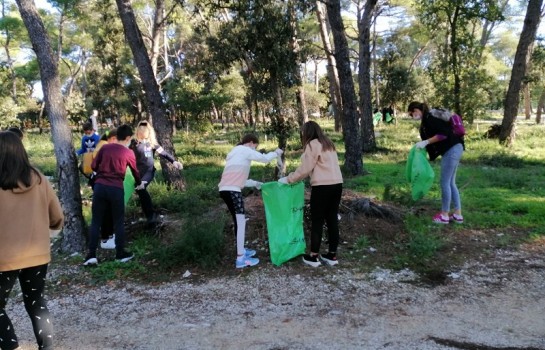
(67, 168)
(156, 106)
(302, 115)
(457, 90)
(527, 101)
(540, 107)
(488, 26)
(9, 60)
(512, 98)
(156, 34)
(353, 162)
(374, 62)
(332, 74)
(364, 78)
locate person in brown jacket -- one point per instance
(29, 209)
(321, 163)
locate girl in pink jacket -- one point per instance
(320, 162)
(234, 178)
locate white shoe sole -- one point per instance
(124, 260)
(247, 263)
(329, 262)
(312, 263)
(90, 262)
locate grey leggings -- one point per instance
(32, 281)
(449, 190)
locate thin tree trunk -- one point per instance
(512, 98)
(302, 115)
(334, 85)
(67, 168)
(156, 32)
(527, 101)
(353, 157)
(540, 107)
(9, 60)
(156, 106)
(375, 68)
(364, 77)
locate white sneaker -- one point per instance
(90, 261)
(108, 244)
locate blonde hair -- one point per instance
(144, 126)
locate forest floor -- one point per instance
(481, 293)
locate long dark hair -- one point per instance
(310, 131)
(14, 165)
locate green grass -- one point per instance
(500, 188)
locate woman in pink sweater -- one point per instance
(320, 162)
(29, 208)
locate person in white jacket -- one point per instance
(234, 178)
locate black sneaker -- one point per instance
(124, 256)
(311, 260)
(90, 260)
(329, 258)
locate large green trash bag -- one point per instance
(419, 173)
(284, 208)
(128, 185)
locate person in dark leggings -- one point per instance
(32, 281)
(29, 209)
(321, 163)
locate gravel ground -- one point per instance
(490, 305)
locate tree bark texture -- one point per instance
(67, 169)
(332, 74)
(353, 161)
(364, 77)
(302, 115)
(540, 107)
(156, 107)
(512, 98)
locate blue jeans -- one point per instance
(449, 190)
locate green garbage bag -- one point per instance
(128, 185)
(284, 208)
(419, 173)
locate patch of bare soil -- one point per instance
(481, 292)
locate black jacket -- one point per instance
(431, 126)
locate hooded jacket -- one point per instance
(26, 216)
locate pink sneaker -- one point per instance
(459, 219)
(440, 219)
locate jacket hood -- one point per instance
(23, 189)
(440, 113)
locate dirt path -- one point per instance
(494, 305)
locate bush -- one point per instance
(200, 243)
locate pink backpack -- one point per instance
(454, 119)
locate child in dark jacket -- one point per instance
(145, 146)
